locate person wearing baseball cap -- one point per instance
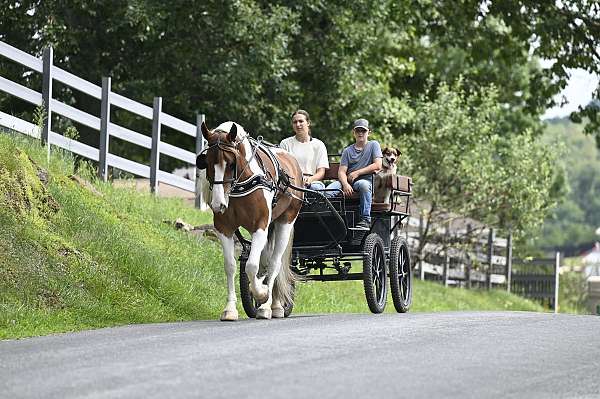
(360, 161)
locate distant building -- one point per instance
(591, 261)
(591, 268)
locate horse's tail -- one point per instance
(286, 279)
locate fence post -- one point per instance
(508, 261)
(155, 151)
(469, 261)
(446, 267)
(556, 280)
(199, 201)
(104, 135)
(421, 270)
(490, 255)
(47, 59)
(446, 257)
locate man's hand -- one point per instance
(353, 176)
(348, 190)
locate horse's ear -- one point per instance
(201, 161)
(232, 133)
(204, 129)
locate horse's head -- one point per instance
(222, 160)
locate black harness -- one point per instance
(278, 183)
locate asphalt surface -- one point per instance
(414, 355)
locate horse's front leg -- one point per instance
(260, 291)
(230, 312)
(274, 307)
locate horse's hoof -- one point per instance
(229, 315)
(263, 313)
(277, 313)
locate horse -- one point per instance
(252, 187)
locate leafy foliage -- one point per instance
(571, 226)
(256, 61)
(460, 161)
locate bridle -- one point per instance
(227, 146)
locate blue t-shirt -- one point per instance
(355, 160)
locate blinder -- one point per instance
(201, 161)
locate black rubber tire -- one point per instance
(374, 273)
(400, 275)
(247, 299)
(248, 303)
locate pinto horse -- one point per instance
(252, 188)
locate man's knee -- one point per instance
(363, 186)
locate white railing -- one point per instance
(103, 125)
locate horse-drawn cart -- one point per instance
(327, 247)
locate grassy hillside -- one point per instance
(75, 256)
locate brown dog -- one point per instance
(381, 191)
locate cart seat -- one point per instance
(394, 182)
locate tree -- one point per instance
(500, 43)
(571, 226)
(228, 60)
(461, 163)
(256, 61)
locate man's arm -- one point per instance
(367, 170)
(346, 187)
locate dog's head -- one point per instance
(390, 156)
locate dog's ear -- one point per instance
(384, 150)
(398, 151)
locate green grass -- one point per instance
(72, 259)
(348, 296)
(96, 260)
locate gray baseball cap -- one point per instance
(361, 123)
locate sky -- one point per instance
(578, 92)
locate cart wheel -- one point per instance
(374, 274)
(247, 299)
(400, 275)
(250, 306)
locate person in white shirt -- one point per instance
(309, 151)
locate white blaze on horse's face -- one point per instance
(220, 201)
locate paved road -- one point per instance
(415, 355)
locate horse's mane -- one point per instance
(226, 127)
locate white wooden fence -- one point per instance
(453, 265)
(107, 129)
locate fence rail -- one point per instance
(103, 125)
